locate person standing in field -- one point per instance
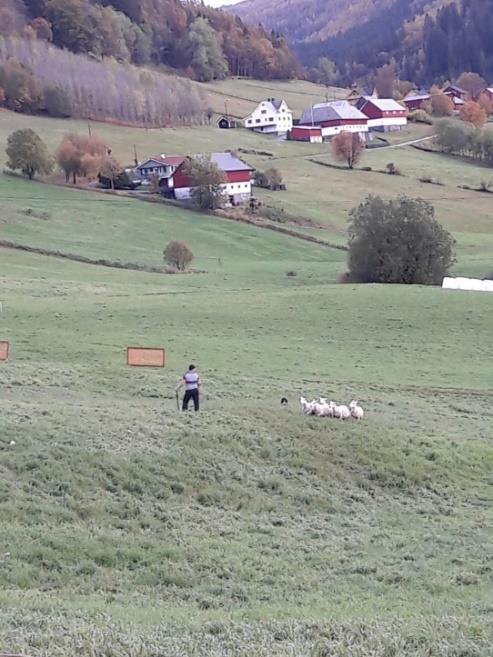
(191, 381)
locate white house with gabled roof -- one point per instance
(271, 116)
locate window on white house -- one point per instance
(264, 111)
(271, 119)
(257, 120)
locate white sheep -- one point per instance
(356, 411)
(340, 411)
(326, 408)
(306, 406)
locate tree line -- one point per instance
(461, 138)
(38, 78)
(203, 42)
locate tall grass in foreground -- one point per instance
(108, 89)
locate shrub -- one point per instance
(392, 170)
(178, 255)
(420, 116)
(260, 179)
(398, 241)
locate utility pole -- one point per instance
(226, 108)
(89, 129)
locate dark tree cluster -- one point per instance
(426, 46)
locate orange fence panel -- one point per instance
(4, 350)
(145, 356)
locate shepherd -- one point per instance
(191, 381)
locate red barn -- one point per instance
(416, 101)
(384, 114)
(238, 178)
(453, 91)
(309, 133)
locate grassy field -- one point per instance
(131, 529)
(242, 96)
(247, 531)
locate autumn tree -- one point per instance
(472, 83)
(207, 58)
(348, 147)
(441, 104)
(385, 80)
(42, 28)
(109, 169)
(28, 153)
(485, 103)
(79, 155)
(178, 255)
(21, 91)
(398, 241)
(205, 180)
(472, 112)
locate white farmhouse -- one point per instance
(270, 116)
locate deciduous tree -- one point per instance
(473, 83)
(28, 153)
(348, 147)
(178, 255)
(79, 155)
(398, 241)
(441, 104)
(205, 179)
(472, 112)
(207, 58)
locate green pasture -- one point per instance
(242, 95)
(131, 529)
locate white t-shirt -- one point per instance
(191, 380)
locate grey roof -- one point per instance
(228, 162)
(277, 103)
(421, 96)
(385, 104)
(455, 88)
(339, 109)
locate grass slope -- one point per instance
(128, 528)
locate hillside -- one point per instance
(129, 528)
(128, 61)
(428, 39)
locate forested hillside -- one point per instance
(117, 60)
(428, 40)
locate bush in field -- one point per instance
(398, 241)
(178, 255)
(28, 153)
(420, 116)
(270, 179)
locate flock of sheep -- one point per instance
(323, 408)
